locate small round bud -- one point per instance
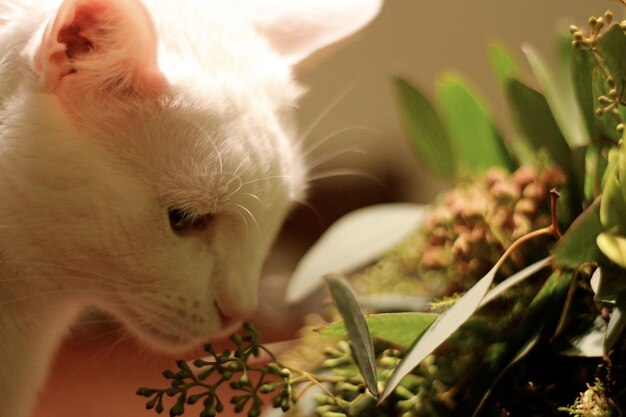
(600, 23)
(620, 128)
(573, 29)
(599, 111)
(592, 22)
(604, 100)
(146, 392)
(608, 17)
(273, 368)
(622, 24)
(285, 372)
(613, 92)
(610, 81)
(244, 380)
(236, 339)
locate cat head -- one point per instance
(153, 158)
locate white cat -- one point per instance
(147, 160)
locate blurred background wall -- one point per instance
(417, 39)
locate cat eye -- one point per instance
(181, 221)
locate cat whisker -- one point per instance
(251, 216)
(246, 224)
(271, 177)
(337, 133)
(334, 155)
(207, 136)
(331, 106)
(235, 172)
(345, 172)
(71, 269)
(48, 293)
(256, 198)
(320, 220)
(239, 187)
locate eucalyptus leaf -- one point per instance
(502, 64)
(535, 120)
(583, 64)
(614, 247)
(428, 136)
(608, 121)
(613, 204)
(612, 47)
(578, 244)
(515, 279)
(393, 302)
(352, 242)
(398, 328)
(470, 126)
(441, 330)
(358, 332)
(452, 319)
(564, 108)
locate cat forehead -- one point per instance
(205, 160)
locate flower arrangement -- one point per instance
(505, 297)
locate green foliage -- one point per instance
(476, 141)
(190, 384)
(428, 136)
(398, 329)
(358, 332)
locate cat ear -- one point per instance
(96, 45)
(296, 29)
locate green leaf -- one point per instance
(536, 122)
(428, 136)
(583, 63)
(470, 127)
(515, 279)
(449, 322)
(578, 244)
(607, 122)
(502, 64)
(612, 47)
(352, 242)
(564, 108)
(614, 247)
(613, 204)
(358, 333)
(398, 328)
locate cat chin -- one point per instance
(168, 337)
(175, 342)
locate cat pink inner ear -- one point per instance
(296, 29)
(99, 44)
